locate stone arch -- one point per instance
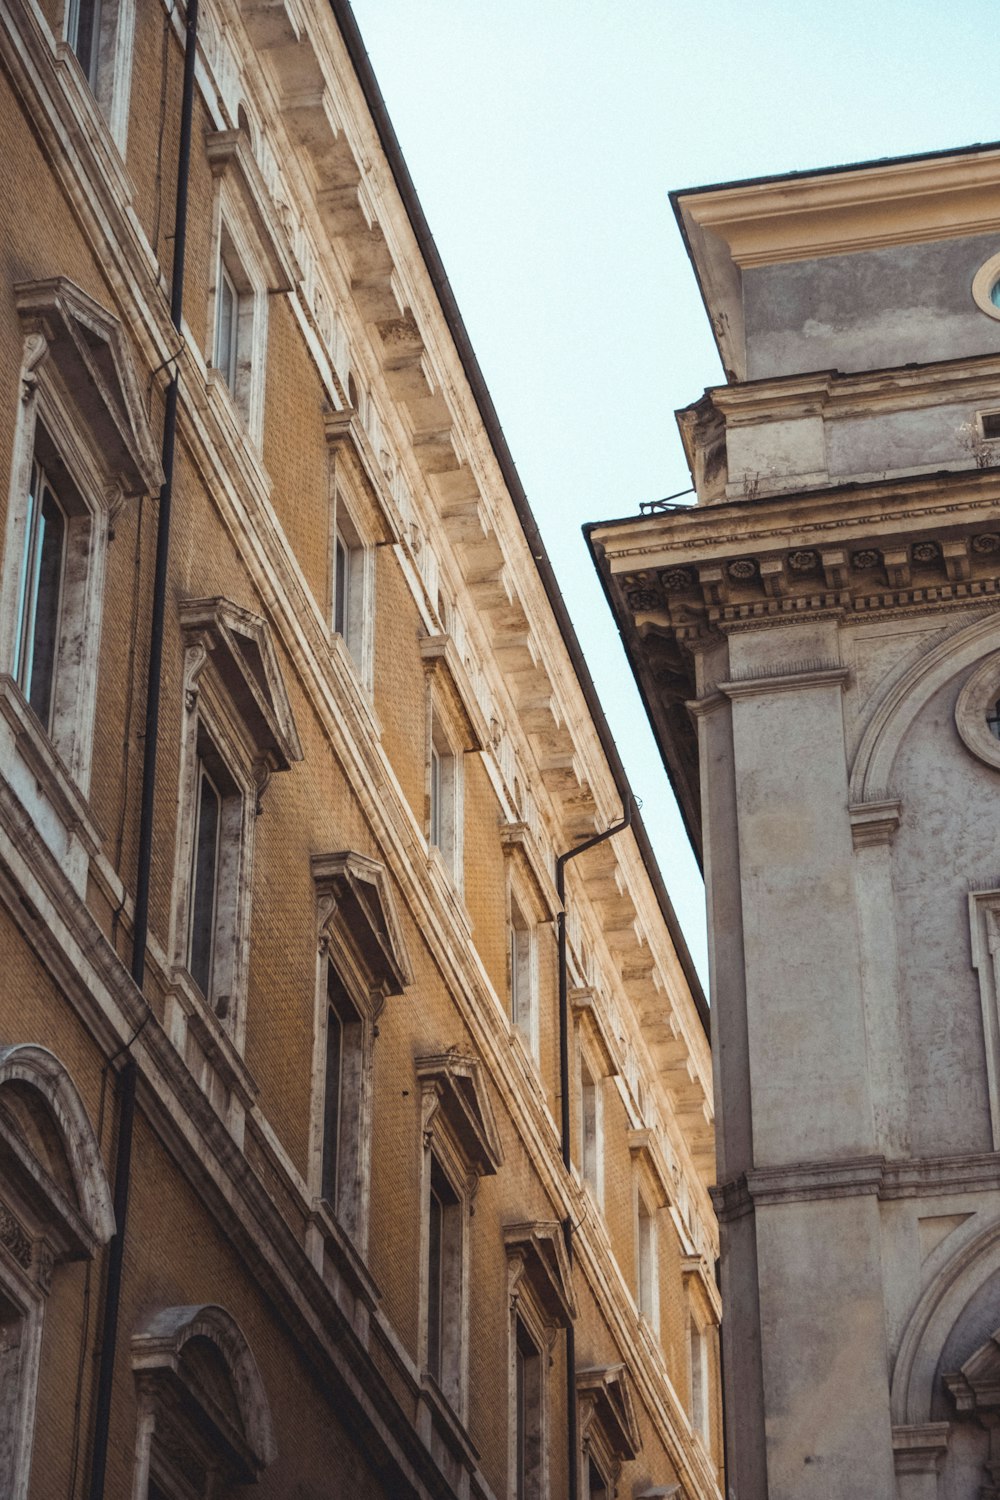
(935, 1315)
(880, 743)
(242, 1422)
(48, 1092)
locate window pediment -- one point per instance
(521, 848)
(201, 1373)
(976, 1386)
(231, 159)
(357, 905)
(643, 1150)
(352, 450)
(59, 1193)
(86, 347)
(605, 1396)
(453, 1084)
(536, 1257)
(239, 646)
(447, 670)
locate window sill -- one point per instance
(209, 1051)
(339, 1263)
(362, 695)
(447, 1426)
(447, 889)
(45, 788)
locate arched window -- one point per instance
(55, 1206)
(204, 1419)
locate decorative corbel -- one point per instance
(36, 348)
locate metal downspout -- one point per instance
(128, 1076)
(572, 1437)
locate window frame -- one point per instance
(108, 76)
(591, 1162)
(522, 967)
(647, 1267)
(352, 603)
(445, 788)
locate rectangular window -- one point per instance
(40, 588)
(227, 317)
(341, 585)
(646, 1263)
(444, 1284)
(527, 1415)
(83, 32)
(698, 1352)
(597, 1485)
(342, 1099)
(590, 1127)
(204, 881)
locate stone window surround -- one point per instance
(78, 384)
(983, 283)
(649, 1196)
(249, 246)
(358, 495)
(112, 86)
(540, 1297)
(531, 892)
(359, 935)
(977, 697)
(234, 1446)
(590, 1065)
(41, 1225)
(460, 1137)
(235, 699)
(607, 1422)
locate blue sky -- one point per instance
(543, 139)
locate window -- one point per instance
(82, 443)
(597, 1485)
(252, 259)
(444, 1280)
(527, 1415)
(342, 1104)
(83, 32)
(237, 730)
(609, 1434)
(541, 1301)
(227, 326)
(698, 1366)
(986, 287)
(461, 1144)
(523, 1000)
(55, 1207)
(361, 960)
(39, 595)
(239, 344)
(216, 849)
(353, 586)
(647, 1279)
(591, 1130)
(204, 1423)
(444, 797)
(99, 34)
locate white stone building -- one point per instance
(818, 643)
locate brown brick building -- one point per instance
(410, 1114)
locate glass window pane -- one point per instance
(331, 1105)
(341, 584)
(49, 551)
(84, 35)
(434, 1269)
(226, 325)
(204, 874)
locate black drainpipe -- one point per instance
(562, 861)
(127, 1077)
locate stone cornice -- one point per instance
(791, 681)
(857, 1176)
